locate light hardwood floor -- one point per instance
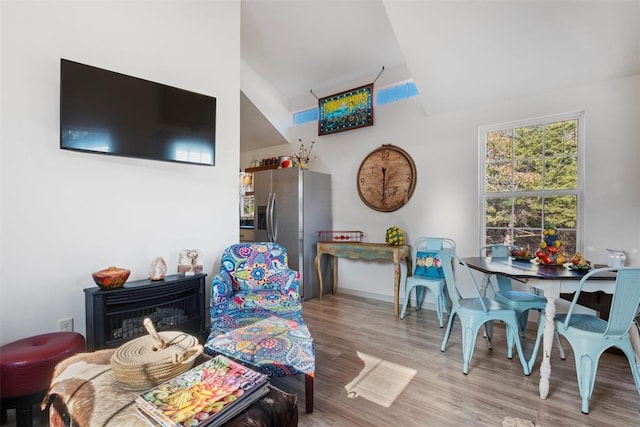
(440, 394)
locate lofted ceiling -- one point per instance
(304, 45)
(459, 53)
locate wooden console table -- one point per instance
(368, 252)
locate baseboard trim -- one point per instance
(385, 298)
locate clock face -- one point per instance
(386, 178)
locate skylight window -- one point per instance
(305, 116)
(396, 93)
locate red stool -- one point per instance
(26, 368)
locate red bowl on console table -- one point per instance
(111, 278)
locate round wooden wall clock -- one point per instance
(386, 178)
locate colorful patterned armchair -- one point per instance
(256, 314)
(254, 283)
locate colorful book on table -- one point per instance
(207, 395)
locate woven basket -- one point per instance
(147, 361)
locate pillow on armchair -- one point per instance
(261, 272)
(265, 269)
(252, 267)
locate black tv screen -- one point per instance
(106, 112)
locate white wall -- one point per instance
(445, 149)
(65, 214)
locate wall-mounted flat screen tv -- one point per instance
(106, 112)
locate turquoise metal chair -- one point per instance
(428, 274)
(520, 301)
(590, 336)
(476, 312)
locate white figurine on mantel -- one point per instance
(189, 262)
(158, 269)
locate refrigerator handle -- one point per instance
(270, 217)
(274, 218)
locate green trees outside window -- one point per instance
(531, 177)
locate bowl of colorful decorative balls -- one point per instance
(578, 262)
(551, 251)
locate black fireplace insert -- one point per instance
(115, 316)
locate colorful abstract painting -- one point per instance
(346, 110)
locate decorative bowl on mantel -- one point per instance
(111, 278)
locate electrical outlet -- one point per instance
(65, 325)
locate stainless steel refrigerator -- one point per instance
(291, 206)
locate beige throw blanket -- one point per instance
(85, 393)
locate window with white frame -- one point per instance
(531, 177)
